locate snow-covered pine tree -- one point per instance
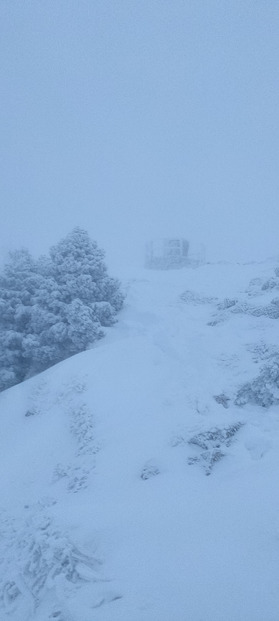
(263, 390)
(54, 307)
(89, 298)
(18, 284)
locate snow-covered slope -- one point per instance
(133, 488)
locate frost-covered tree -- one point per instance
(263, 390)
(80, 272)
(78, 295)
(18, 283)
(54, 307)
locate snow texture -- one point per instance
(138, 477)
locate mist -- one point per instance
(140, 119)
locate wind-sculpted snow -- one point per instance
(44, 574)
(107, 512)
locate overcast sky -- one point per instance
(139, 119)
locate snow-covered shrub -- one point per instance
(82, 428)
(74, 475)
(236, 307)
(212, 445)
(258, 285)
(192, 297)
(256, 288)
(261, 351)
(36, 559)
(222, 399)
(227, 303)
(149, 470)
(271, 283)
(54, 307)
(264, 389)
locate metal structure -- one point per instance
(169, 253)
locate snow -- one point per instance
(124, 495)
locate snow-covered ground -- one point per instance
(133, 488)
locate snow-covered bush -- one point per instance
(264, 389)
(192, 297)
(259, 285)
(54, 307)
(37, 559)
(237, 307)
(211, 445)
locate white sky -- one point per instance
(139, 119)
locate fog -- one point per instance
(138, 119)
